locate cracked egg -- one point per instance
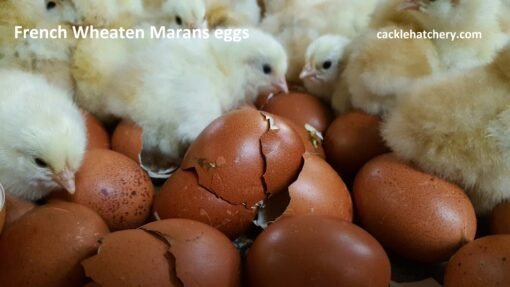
(175, 253)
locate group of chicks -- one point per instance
(444, 103)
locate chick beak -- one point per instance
(281, 86)
(65, 179)
(308, 71)
(412, 5)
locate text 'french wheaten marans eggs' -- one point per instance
(115, 187)
(317, 251)
(44, 248)
(176, 252)
(415, 215)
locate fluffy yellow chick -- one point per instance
(43, 136)
(504, 18)
(381, 67)
(297, 24)
(232, 13)
(457, 126)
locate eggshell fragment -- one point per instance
(481, 263)
(301, 109)
(16, 207)
(316, 251)
(500, 219)
(2, 208)
(416, 215)
(127, 140)
(312, 138)
(115, 187)
(97, 136)
(351, 141)
(45, 247)
(182, 197)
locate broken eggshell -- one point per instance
(45, 247)
(317, 191)
(97, 136)
(312, 138)
(115, 187)
(176, 252)
(127, 140)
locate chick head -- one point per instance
(323, 61)
(185, 14)
(264, 63)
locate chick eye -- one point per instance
(50, 5)
(178, 19)
(41, 163)
(267, 69)
(326, 65)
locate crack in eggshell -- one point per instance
(316, 138)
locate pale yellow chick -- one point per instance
(457, 126)
(232, 13)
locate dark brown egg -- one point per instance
(2, 208)
(414, 214)
(481, 263)
(127, 140)
(97, 136)
(175, 252)
(316, 251)
(16, 207)
(351, 141)
(500, 219)
(245, 155)
(182, 197)
(300, 108)
(115, 187)
(45, 247)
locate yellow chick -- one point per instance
(381, 66)
(232, 13)
(457, 126)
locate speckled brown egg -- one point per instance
(2, 208)
(16, 207)
(127, 140)
(414, 214)
(45, 247)
(182, 197)
(97, 136)
(351, 141)
(481, 263)
(300, 108)
(245, 155)
(115, 187)
(176, 252)
(500, 219)
(317, 191)
(316, 251)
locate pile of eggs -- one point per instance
(281, 195)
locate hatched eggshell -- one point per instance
(351, 141)
(319, 191)
(45, 247)
(182, 197)
(481, 263)
(115, 187)
(203, 255)
(133, 257)
(16, 207)
(500, 219)
(300, 108)
(127, 140)
(2, 208)
(416, 215)
(316, 251)
(97, 136)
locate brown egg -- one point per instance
(317, 191)
(176, 252)
(16, 207)
(236, 151)
(500, 219)
(97, 136)
(127, 140)
(182, 197)
(45, 247)
(115, 187)
(481, 263)
(2, 208)
(300, 108)
(351, 141)
(312, 138)
(316, 251)
(414, 214)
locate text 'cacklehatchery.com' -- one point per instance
(152, 32)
